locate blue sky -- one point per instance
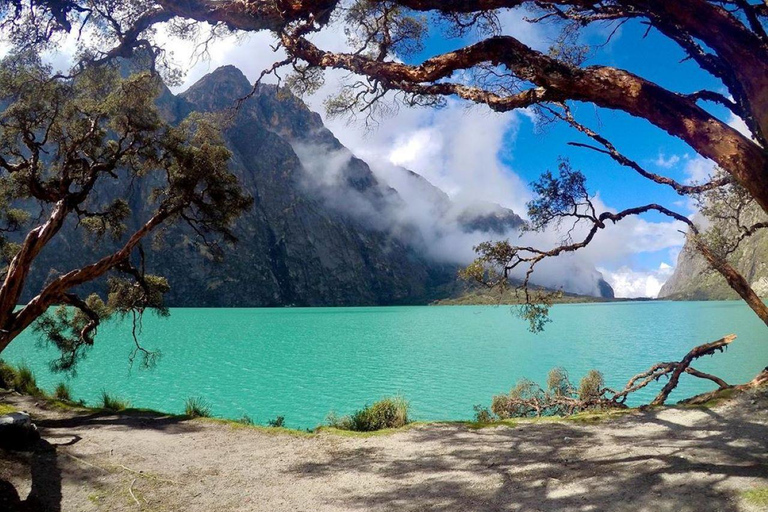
(646, 53)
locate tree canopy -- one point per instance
(63, 139)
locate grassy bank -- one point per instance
(386, 416)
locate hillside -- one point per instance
(692, 280)
(324, 230)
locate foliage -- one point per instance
(18, 378)
(386, 413)
(246, 420)
(111, 403)
(7, 375)
(63, 139)
(197, 407)
(734, 216)
(483, 414)
(591, 385)
(558, 197)
(25, 381)
(63, 392)
(278, 422)
(528, 399)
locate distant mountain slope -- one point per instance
(693, 281)
(324, 229)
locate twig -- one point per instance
(82, 461)
(145, 475)
(130, 490)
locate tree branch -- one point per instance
(604, 86)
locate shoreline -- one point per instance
(671, 458)
(45, 400)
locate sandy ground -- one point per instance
(663, 460)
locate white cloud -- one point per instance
(699, 170)
(458, 150)
(251, 53)
(666, 162)
(630, 283)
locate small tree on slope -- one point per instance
(60, 141)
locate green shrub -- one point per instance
(561, 398)
(517, 404)
(558, 382)
(63, 392)
(25, 381)
(7, 375)
(245, 420)
(197, 407)
(277, 422)
(111, 403)
(387, 413)
(483, 414)
(340, 422)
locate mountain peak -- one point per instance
(228, 71)
(218, 89)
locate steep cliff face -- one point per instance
(324, 230)
(294, 249)
(692, 279)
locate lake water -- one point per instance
(303, 363)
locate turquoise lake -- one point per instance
(302, 363)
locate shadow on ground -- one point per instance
(671, 466)
(39, 469)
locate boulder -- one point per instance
(17, 432)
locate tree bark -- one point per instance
(683, 365)
(55, 291)
(18, 270)
(603, 86)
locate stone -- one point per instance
(17, 432)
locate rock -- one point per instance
(17, 432)
(693, 279)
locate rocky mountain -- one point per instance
(692, 280)
(324, 230)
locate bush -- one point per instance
(197, 407)
(277, 422)
(111, 403)
(483, 414)
(558, 382)
(561, 398)
(7, 375)
(20, 378)
(517, 404)
(245, 420)
(386, 413)
(63, 392)
(25, 381)
(591, 385)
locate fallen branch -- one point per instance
(562, 398)
(702, 350)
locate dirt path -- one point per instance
(666, 460)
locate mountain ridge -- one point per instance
(313, 237)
